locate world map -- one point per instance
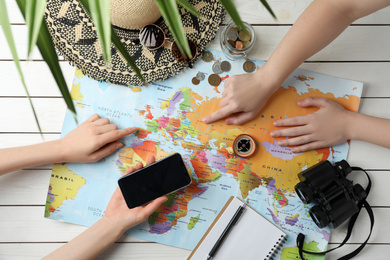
(168, 116)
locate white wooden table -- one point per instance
(361, 53)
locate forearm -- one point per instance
(90, 243)
(12, 159)
(319, 25)
(369, 129)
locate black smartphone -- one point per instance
(154, 180)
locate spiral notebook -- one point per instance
(252, 237)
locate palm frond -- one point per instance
(5, 24)
(34, 15)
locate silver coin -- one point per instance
(225, 66)
(200, 76)
(217, 68)
(232, 35)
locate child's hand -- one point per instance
(243, 97)
(92, 140)
(326, 127)
(124, 218)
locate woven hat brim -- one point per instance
(75, 38)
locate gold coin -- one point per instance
(214, 80)
(246, 44)
(207, 56)
(244, 36)
(249, 66)
(195, 81)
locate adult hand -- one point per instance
(326, 127)
(92, 140)
(121, 216)
(243, 97)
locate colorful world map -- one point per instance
(168, 116)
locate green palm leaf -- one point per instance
(34, 15)
(232, 11)
(49, 55)
(266, 5)
(5, 24)
(172, 17)
(189, 7)
(100, 12)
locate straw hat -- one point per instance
(75, 37)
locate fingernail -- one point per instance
(276, 123)
(281, 143)
(299, 102)
(119, 145)
(273, 134)
(204, 119)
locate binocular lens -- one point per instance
(319, 216)
(304, 192)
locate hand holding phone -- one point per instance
(155, 180)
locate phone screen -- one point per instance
(154, 180)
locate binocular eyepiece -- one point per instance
(335, 195)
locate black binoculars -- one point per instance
(336, 196)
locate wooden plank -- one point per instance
(118, 251)
(29, 187)
(252, 11)
(13, 140)
(15, 227)
(38, 77)
(123, 251)
(50, 111)
(357, 43)
(40, 81)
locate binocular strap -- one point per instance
(301, 237)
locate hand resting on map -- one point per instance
(328, 126)
(243, 97)
(117, 219)
(92, 140)
(89, 142)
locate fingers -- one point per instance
(115, 135)
(101, 121)
(106, 128)
(313, 102)
(308, 147)
(292, 131)
(291, 121)
(93, 118)
(105, 150)
(239, 118)
(219, 114)
(150, 160)
(153, 206)
(300, 140)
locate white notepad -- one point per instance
(253, 237)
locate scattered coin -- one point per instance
(214, 80)
(232, 34)
(207, 56)
(217, 68)
(244, 145)
(225, 66)
(239, 45)
(195, 81)
(249, 66)
(200, 76)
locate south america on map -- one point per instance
(168, 116)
